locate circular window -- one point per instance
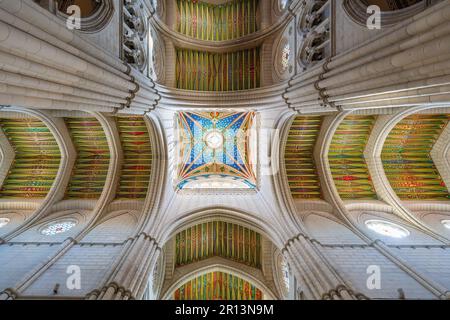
(3, 222)
(58, 227)
(283, 4)
(214, 139)
(387, 229)
(446, 223)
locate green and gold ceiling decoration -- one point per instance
(299, 160)
(137, 162)
(36, 162)
(407, 160)
(91, 166)
(227, 21)
(218, 238)
(208, 71)
(346, 158)
(218, 286)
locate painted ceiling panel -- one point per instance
(218, 238)
(212, 22)
(37, 159)
(346, 158)
(91, 166)
(218, 286)
(216, 146)
(137, 162)
(207, 71)
(407, 160)
(299, 160)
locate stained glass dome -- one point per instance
(387, 229)
(58, 227)
(3, 222)
(216, 150)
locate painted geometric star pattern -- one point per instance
(226, 156)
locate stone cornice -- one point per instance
(257, 99)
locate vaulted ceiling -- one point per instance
(406, 157)
(36, 161)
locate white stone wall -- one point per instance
(352, 264)
(93, 260)
(18, 260)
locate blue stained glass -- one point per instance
(215, 141)
(237, 125)
(225, 122)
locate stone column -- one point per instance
(313, 271)
(408, 58)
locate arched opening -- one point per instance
(213, 249)
(218, 286)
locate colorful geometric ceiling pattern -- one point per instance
(91, 166)
(137, 153)
(211, 22)
(346, 158)
(407, 160)
(216, 147)
(36, 162)
(207, 71)
(299, 160)
(218, 238)
(218, 286)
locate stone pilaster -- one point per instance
(316, 277)
(130, 278)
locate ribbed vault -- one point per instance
(299, 160)
(407, 160)
(91, 167)
(208, 71)
(218, 238)
(37, 158)
(207, 21)
(218, 286)
(346, 158)
(137, 163)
